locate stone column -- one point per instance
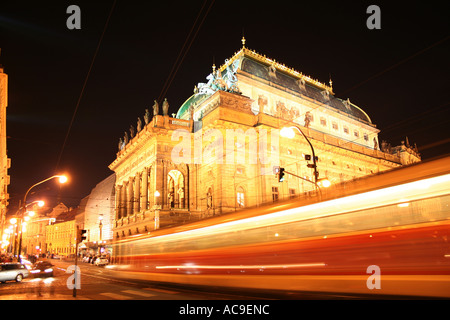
(125, 199)
(118, 202)
(130, 196)
(137, 198)
(144, 190)
(129, 203)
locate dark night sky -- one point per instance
(47, 65)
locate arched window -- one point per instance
(175, 189)
(240, 197)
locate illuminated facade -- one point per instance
(61, 238)
(98, 212)
(5, 162)
(219, 153)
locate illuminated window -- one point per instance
(291, 193)
(275, 194)
(366, 137)
(335, 125)
(240, 197)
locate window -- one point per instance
(291, 193)
(335, 125)
(356, 134)
(323, 121)
(274, 193)
(366, 137)
(346, 130)
(240, 197)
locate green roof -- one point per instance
(195, 98)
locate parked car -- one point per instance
(101, 261)
(13, 271)
(42, 268)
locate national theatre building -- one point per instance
(221, 150)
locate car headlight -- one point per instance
(35, 271)
(48, 270)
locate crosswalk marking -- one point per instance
(161, 290)
(139, 293)
(116, 296)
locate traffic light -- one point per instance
(281, 175)
(308, 157)
(81, 236)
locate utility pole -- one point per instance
(77, 238)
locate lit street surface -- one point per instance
(99, 283)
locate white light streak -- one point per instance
(241, 267)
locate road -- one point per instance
(99, 283)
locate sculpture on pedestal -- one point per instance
(155, 108)
(165, 107)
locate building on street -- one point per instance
(219, 152)
(5, 162)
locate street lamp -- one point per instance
(100, 225)
(288, 132)
(157, 208)
(61, 178)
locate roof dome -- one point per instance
(196, 98)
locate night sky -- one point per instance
(399, 74)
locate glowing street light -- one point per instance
(288, 132)
(61, 178)
(324, 182)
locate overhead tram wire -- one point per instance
(395, 65)
(182, 54)
(84, 86)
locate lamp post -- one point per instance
(288, 132)
(62, 179)
(157, 208)
(100, 225)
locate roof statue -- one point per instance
(155, 108)
(247, 63)
(139, 124)
(230, 76)
(165, 107)
(146, 116)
